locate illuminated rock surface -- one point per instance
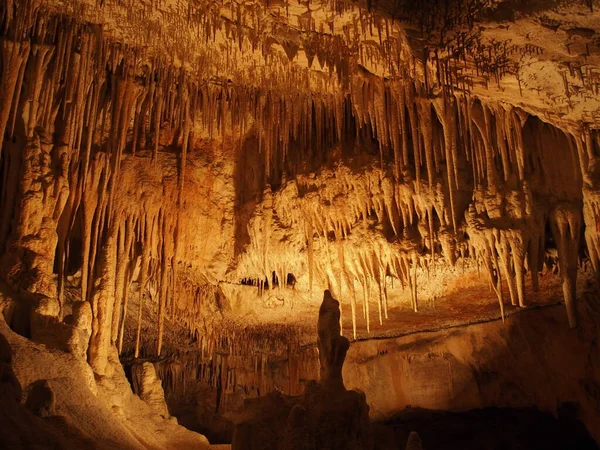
(180, 180)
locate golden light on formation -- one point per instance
(205, 205)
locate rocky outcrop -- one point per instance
(414, 442)
(9, 384)
(41, 400)
(325, 416)
(332, 346)
(462, 367)
(67, 407)
(149, 387)
(79, 338)
(532, 360)
(72, 334)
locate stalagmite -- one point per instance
(102, 307)
(332, 346)
(142, 287)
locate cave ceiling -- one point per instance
(541, 55)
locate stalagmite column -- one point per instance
(102, 300)
(332, 345)
(43, 192)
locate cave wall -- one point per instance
(532, 360)
(164, 181)
(83, 127)
(76, 409)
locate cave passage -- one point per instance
(298, 225)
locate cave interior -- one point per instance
(300, 225)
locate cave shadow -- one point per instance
(486, 429)
(17, 314)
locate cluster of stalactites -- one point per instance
(71, 96)
(456, 176)
(254, 45)
(197, 27)
(67, 81)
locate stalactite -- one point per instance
(145, 229)
(86, 102)
(166, 251)
(125, 241)
(446, 114)
(14, 57)
(565, 222)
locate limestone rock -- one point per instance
(112, 417)
(150, 388)
(7, 307)
(414, 442)
(402, 154)
(82, 317)
(339, 419)
(41, 400)
(79, 337)
(297, 435)
(332, 346)
(263, 423)
(326, 416)
(8, 381)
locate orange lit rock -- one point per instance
(332, 346)
(150, 388)
(181, 179)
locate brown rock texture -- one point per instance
(414, 442)
(40, 400)
(149, 388)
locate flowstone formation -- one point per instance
(325, 416)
